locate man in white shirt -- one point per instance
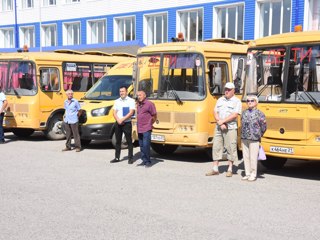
(123, 109)
(3, 106)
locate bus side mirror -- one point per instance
(134, 71)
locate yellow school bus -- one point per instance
(284, 71)
(35, 85)
(184, 80)
(99, 100)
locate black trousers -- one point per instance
(125, 128)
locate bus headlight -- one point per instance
(100, 111)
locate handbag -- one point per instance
(261, 155)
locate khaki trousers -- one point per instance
(250, 151)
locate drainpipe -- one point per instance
(16, 25)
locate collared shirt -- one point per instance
(225, 107)
(2, 99)
(145, 111)
(123, 107)
(71, 111)
(253, 124)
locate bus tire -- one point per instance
(273, 163)
(85, 142)
(124, 143)
(55, 128)
(23, 132)
(164, 149)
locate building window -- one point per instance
(96, 31)
(72, 1)
(27, 36)
(6, 38)
(229, 22)
(49, 35)
(49, 2)
(27, 4)
(71, 33)
(274, 17)
(190, 24)
(313, 15)
(125, 29)
(156, 29)
(6, 5)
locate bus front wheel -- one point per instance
(273, 163)
(164, 149)
(23, 132)
(55, 130)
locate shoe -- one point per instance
(148, 165)
(141, 164)
(212, 173)
(252, 179)
(115, 160)
(229, 174)
(2, 142)
(78, 149)
(66, 149)
(130, 161)
(245, 178)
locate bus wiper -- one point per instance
(312, 99)
(176, 96)
(16, 93)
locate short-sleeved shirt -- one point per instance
(225, 107)
(71, 111)
(145, 111)
(2, 99)
(123, 107)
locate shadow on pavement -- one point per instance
(296, 169)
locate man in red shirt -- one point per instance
(146, 116)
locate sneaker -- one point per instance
(229, 174)
(78, 149)
(212, 173)
(130, 161)
(115, 160)
(252, 179)
(245, 178)
(148, 165)
(66, 149)
(141, 164)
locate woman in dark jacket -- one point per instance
(253, 126)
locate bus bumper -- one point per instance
(281, 150)
(193, 139)
(96, 131)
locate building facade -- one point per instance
(46, 25)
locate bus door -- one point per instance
(50, 94)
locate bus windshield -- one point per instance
(18, 78)
(176, 76)
(285, 74)
(107, 88)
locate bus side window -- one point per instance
(215, 79)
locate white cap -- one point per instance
(229, 85)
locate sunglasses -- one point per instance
(250, 100)
(228, 89)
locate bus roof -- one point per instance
(205, 47)
(123, 68)
(287, 39)
(54, 56)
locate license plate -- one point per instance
(281, 150)
(159, 138)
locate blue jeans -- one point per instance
(144, 142)
(1, 127)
